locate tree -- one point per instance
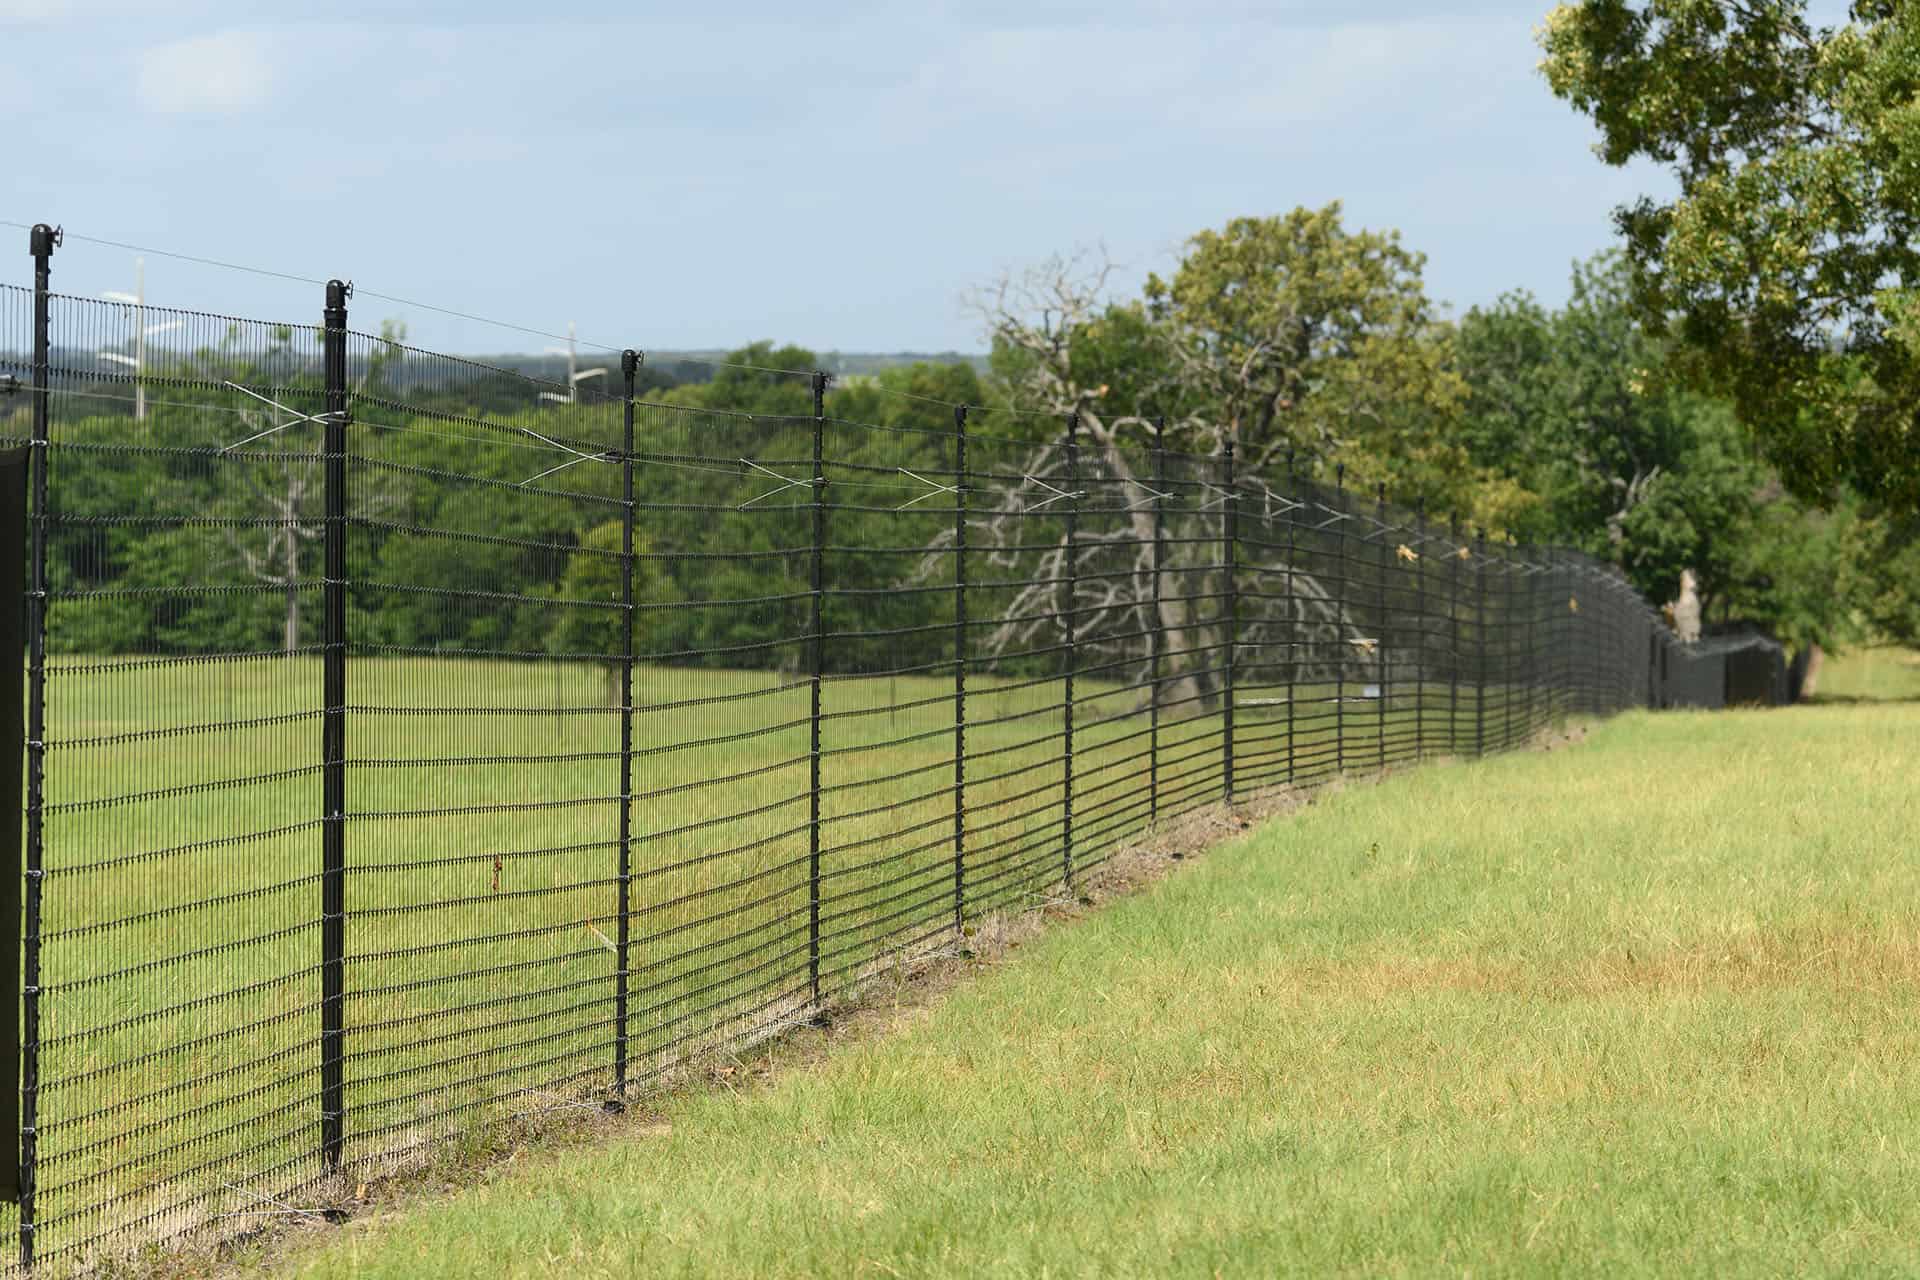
(1789, 263)
(1628, 466)
(586, 628)
(1294, 333)
(1060, 347)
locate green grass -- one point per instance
(181, 935)
(1647, 1006)
(1881, 672)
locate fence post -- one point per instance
(1529, 585)
(333, 745)
(1070, 657)
(1155, 637)
(1340, 619)
(1536, 683)
(959, 666)
(1653, 668)
(816, 656)
(1570, 678)
(1507, 594)
(1380, 626)
(1480, 646)
(1420, 628)
(1553, 680)
(1563, 609)
(1455, 547)
(1294, 627)
(42, 240)
(629, 371)
(1229, 534)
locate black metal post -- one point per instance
(1529, 720)
(959, 666)
(1507, 630)
(333, 742)
(1666, 674)
(15, 517)
(1294, 629)
(1380, 626)
(1481, 643)
(1654, 670)
(43, 240)
(1419, 568)
(1155, 635)
(816, 657)
(1563, 605)
(1558, 614)
(1070, 656)
(629, 372)
(1229, 557)
(1455, 546)
(1550, 680)
(1340, 620)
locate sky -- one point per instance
(840, 176)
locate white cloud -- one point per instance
(224, 72)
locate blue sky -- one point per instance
(834, 175)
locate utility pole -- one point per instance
(575, 375)
(141, 332)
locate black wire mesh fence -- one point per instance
(410, 744)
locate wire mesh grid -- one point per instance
(426, 744)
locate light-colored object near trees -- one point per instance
(1684, 613)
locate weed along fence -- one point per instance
(408, 743)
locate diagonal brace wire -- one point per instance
(786, 483)
(320, 419)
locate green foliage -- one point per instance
(584, 626)
(250, 561)
(1120, 365)
(1294, 332)
(1886, 564)
(1626, 465)
(1789, 263)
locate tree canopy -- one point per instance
(1652, 477)
(1786, 265)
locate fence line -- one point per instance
(609, 733)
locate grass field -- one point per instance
(1878, 673)
(1646, 1006)
(179, 1075)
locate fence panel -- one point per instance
(414, 743)
(174, 1059)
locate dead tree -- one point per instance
(1037, 315)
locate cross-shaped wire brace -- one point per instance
(1226, 496)
(786, 482)
(1286, 504)
(322, 418)
(578, 457)
(934, 492)
(1152, 496)
(1057, 493)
